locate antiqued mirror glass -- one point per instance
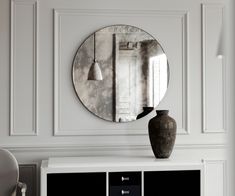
(120, 73)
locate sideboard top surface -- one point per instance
(106, 164)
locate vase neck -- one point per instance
(162, 112)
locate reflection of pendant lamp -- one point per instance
(95, 72)
(220, 48)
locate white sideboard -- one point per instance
(133, 176)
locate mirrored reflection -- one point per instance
(133, 73)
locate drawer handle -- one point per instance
(125, 178)
(125, 192)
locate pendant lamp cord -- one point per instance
(94, 49)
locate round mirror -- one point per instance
(120, 73)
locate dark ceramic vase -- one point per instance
(162, 134)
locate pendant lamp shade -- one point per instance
(95, 71)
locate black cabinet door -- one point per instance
(172, 183)
(76, 184)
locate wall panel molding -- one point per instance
(213, 185)
(97, 148)
(23, 86)
(58, 16)
(185, 95)
(214, 85)
(28, 175)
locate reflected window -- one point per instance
(158, 76)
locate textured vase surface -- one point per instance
(162, 134)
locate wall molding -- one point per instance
(59, 13)
(97, 148)
(185, 53)
(34, 4)
(29, 175)
(205, 130)
(225, 171)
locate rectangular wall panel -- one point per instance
(215, 178)
(213, 69)
(70, 117)
(23, 104)
(28, 175)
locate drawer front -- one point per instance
(68, 184)
(125, 190)
(124, 178)
(169, 183)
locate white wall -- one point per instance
(41, 115)
(230, 42)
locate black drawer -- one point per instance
(134, 190)
(68, 184)
(169, 183)
(124, 178)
